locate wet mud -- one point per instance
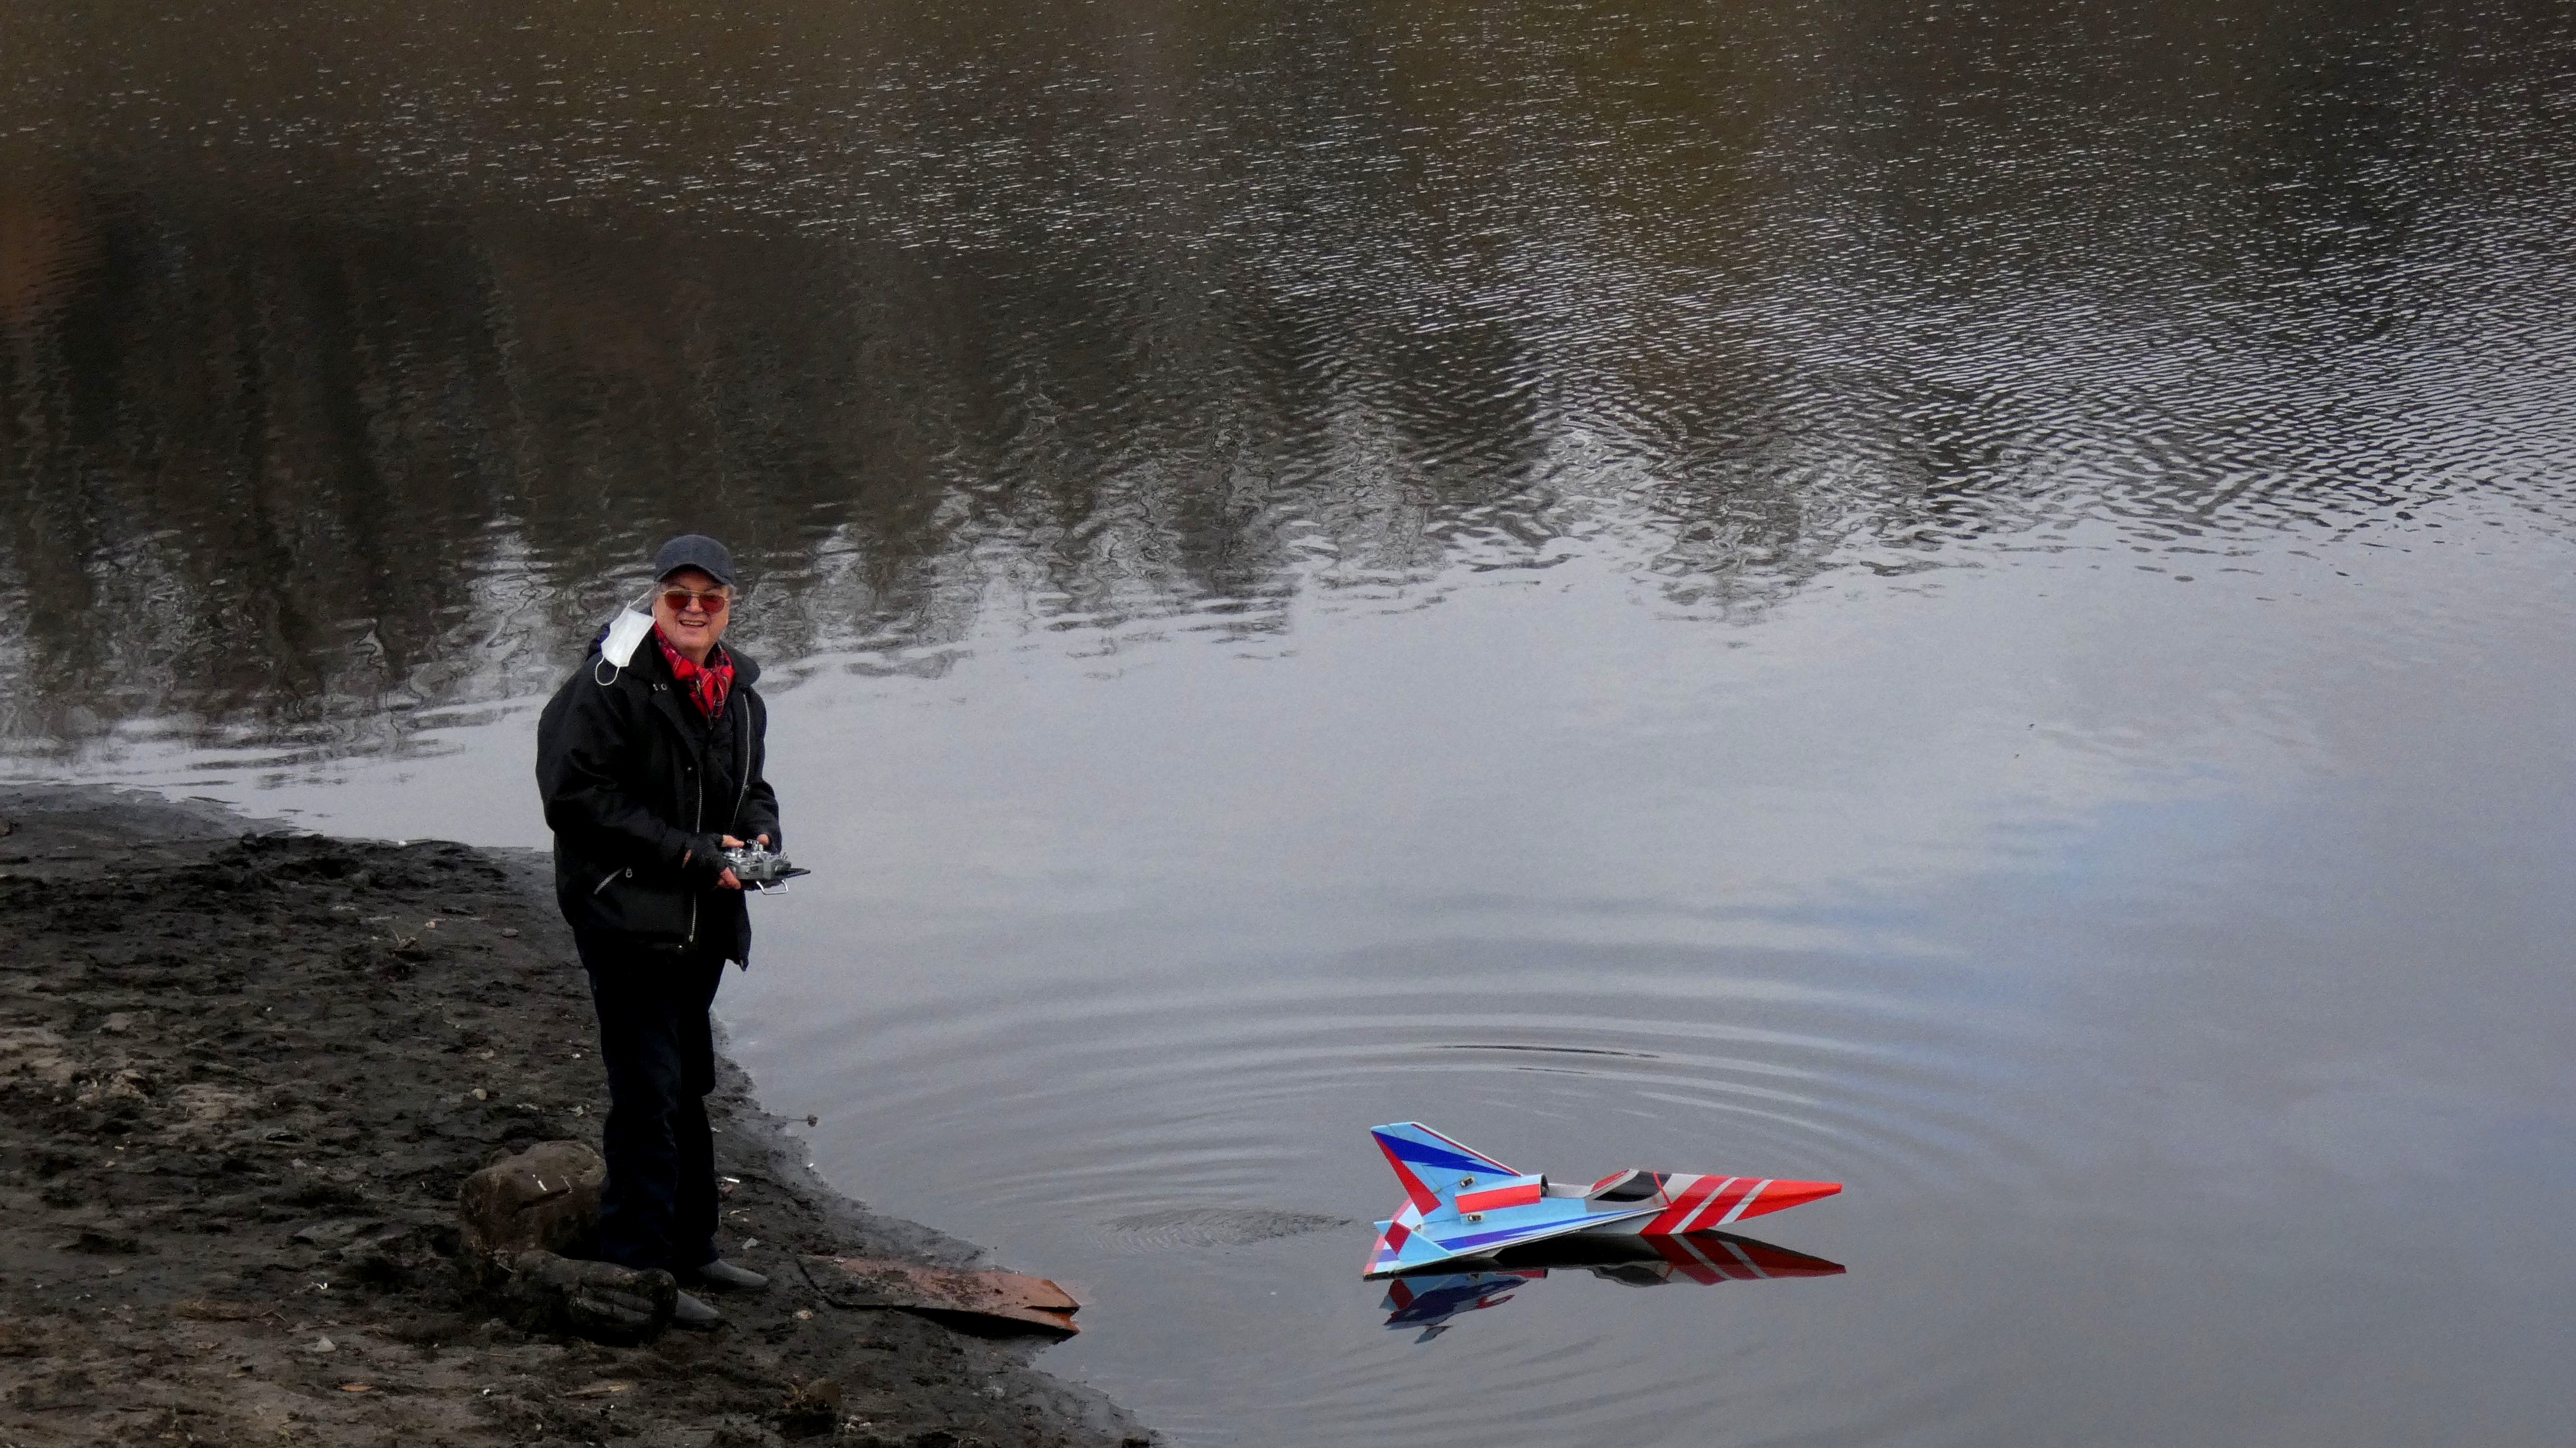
(242, 1076)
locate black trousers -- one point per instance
(659, 1209)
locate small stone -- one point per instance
(322, 1344)
(127, 1085)
(509, 932)
(804, 1314)
(482, 1095)
(811, 1409)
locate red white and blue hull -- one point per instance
(1461, 1204)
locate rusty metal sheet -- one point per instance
(998, 1297)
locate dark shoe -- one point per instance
(721, 1273)
(687, 1311)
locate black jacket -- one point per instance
(635, 781)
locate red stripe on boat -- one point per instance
(1737, 1189)
(1520, 1194)
(1415, 1192)
(1781, 1196)
(1687, 1203)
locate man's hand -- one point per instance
(726, 878)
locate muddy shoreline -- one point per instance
(242, 1074)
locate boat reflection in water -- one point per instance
(1429, 1300)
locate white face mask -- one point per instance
(624, 632)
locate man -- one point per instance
(649, 770)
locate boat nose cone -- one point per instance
(1781, 1196)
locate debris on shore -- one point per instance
(243, 1079)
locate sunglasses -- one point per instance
(677, 600)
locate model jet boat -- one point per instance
(1461, 1204)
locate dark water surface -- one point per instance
(1969, 600)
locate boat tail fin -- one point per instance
(1430, 1164)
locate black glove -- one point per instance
(706, 862)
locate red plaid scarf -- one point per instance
(706, 686)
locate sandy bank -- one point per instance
(241, 1077)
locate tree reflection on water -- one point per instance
(346, 370)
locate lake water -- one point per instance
(1969, 600)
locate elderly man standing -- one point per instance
(650, 766)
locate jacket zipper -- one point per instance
(697, 827)
(744, 791)
(698, 823)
